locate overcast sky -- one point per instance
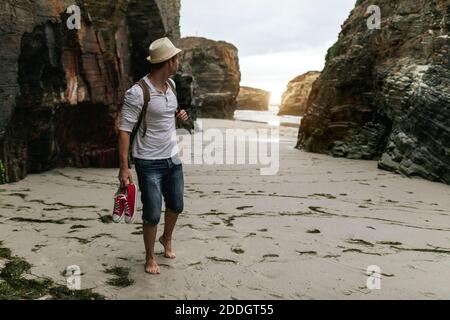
(277, 40)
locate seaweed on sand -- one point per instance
(121, 278)
(14, 285)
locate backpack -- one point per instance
(143, 113)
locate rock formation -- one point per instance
(253, 99)
(186, 90)
(294, 99)
(385, 93)
(61, 89)
(214, 67)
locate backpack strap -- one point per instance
(147, 96)
(174, 90)
(189, 125)
(172, 86)
(146, 93)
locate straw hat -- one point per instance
(162, 50)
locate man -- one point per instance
(158, 168)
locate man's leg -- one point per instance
(149, 240)
(150, 175)
(173, 188)
(170, 220)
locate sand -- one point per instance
(309, 232)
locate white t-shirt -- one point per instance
(160, 141)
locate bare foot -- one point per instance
(168, 251)
(152, 267)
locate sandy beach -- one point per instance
(309, 232)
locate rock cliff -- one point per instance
(60, 89)
(253, 99)
(214, 68)
(294, 99)
(385, 93)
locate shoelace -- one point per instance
(116, 207)
(117, 204)
(127, 208)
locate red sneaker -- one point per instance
(130, 205)
(119, 206)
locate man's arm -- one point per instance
(125, 175)
(132, 107)
(123, 147)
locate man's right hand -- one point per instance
(125, 177)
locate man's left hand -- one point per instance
(182, 115)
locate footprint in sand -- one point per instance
(244, 207)
(306, 252)
(360, 242)
(237, 250)
(270, 256)
(217, 259)
(390, 243)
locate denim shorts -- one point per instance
(157, 179)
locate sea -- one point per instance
(270, 117)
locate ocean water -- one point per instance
(270, 117)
